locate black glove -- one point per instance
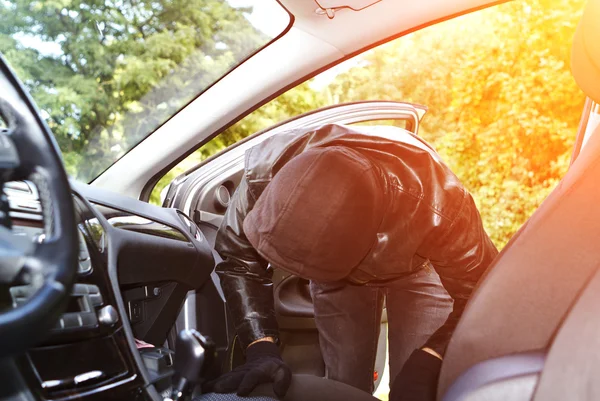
(418, 379)
(263, 365)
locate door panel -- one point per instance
(292, 298)
(205, 193)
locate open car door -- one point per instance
(204, 193)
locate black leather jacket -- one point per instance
(431, 217)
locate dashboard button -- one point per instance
(108, 315)
(96, 299)
(80, 289)
(88, 377)
(136, 311)
(60, 324)
(57, 384)
(72, 321)
(85, 266)
(88, 319)
(93, 289)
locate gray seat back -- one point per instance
(527, 292)
(507, 378)
(573, 364)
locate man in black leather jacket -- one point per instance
(365, 213)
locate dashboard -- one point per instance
(137, 262)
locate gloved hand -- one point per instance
(418, 379)
(263, 365)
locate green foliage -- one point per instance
(503, 107)
(121, 68)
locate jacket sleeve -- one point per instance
(245, 277)
(460, 253)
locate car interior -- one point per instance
(110, 297)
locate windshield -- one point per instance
(106, 74)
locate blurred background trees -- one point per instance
(105, 73)
(503, 107)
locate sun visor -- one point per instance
(585, 54)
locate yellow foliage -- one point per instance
(503, 107)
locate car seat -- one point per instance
(303, 388)
(526, 323)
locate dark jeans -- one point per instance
(348, 318)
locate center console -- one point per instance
(137, 262)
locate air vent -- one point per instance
(85, 263)
(24, 200)
(19, 187)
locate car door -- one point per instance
(205, 193)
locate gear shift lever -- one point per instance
(193, 353)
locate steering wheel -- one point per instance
(28, 151)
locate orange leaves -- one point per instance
(503, 106)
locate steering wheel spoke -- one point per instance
(14, 251)
(42, 263)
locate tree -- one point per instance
(121, 68)
(503, 107)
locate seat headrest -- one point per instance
(585, 54)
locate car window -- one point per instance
(106, 74)
(503, 106)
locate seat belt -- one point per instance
(573, 364)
